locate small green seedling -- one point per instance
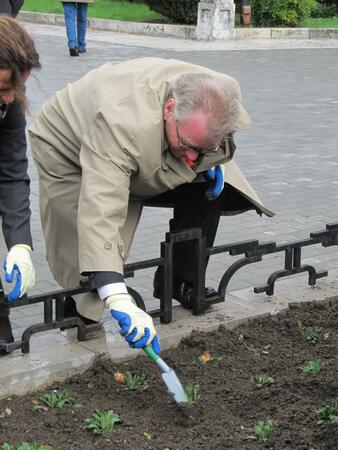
(53, 399)
(192, 391)
(77, 405)
(311, 333)
(262, 431)
(102, 421)
(26, 446)
(133, 381)
(147, 435)
(261, 381)
(312, 367)
(260, 350)
(327, 413)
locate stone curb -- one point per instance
(182, 31)
(118, 26)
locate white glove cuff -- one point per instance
(121, 302)
(24, 246)
(111, 289)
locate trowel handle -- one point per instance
(156, 358)
(151, 353)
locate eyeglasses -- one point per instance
(201, 151)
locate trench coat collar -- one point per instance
(176, 164)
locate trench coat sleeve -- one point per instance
(14, 180)
(103, 202)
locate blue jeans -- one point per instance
(76, 34)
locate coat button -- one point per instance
(107, 245)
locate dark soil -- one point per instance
(229, 406)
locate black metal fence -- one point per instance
(252, 251)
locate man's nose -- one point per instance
(191, 154)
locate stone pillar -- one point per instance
(216, 20)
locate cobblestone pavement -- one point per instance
(289, 155)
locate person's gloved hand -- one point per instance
(215, 176)
(19, 263)
(136, 325)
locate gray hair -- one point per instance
(200, 92)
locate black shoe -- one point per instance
(6, 335)
(73, 52)
(71, 311)
(183, 291)
(82, 50)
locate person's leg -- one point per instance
(6, 334)
(81, 26)
(69, 9)
(193, 210)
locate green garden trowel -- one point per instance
(169, 376)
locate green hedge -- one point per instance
(281, 13)
(179, 11)
(325, 8)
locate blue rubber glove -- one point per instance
(19, 263)
(215, 176)
(136, 325)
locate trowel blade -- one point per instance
(174, 386)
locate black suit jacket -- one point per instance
(10, 7)
(14, 180)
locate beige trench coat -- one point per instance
(100, 149)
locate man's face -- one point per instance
(189, 138)
(7, 90)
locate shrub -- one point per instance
(179, 11)
(325, 9)
(279, 13)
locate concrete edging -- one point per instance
(182, 31)
(118, 26)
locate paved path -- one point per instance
(290, 156)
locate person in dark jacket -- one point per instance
(18, 57)
(10, 7)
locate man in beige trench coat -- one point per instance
(123, 133)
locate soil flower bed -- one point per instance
(269, 384)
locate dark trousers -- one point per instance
(4, 308)
(192, 210)
(5, 325)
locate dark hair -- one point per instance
(17, 52)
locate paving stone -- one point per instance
(289, 155)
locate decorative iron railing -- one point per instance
(252, 250)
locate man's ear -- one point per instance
(169, 107)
